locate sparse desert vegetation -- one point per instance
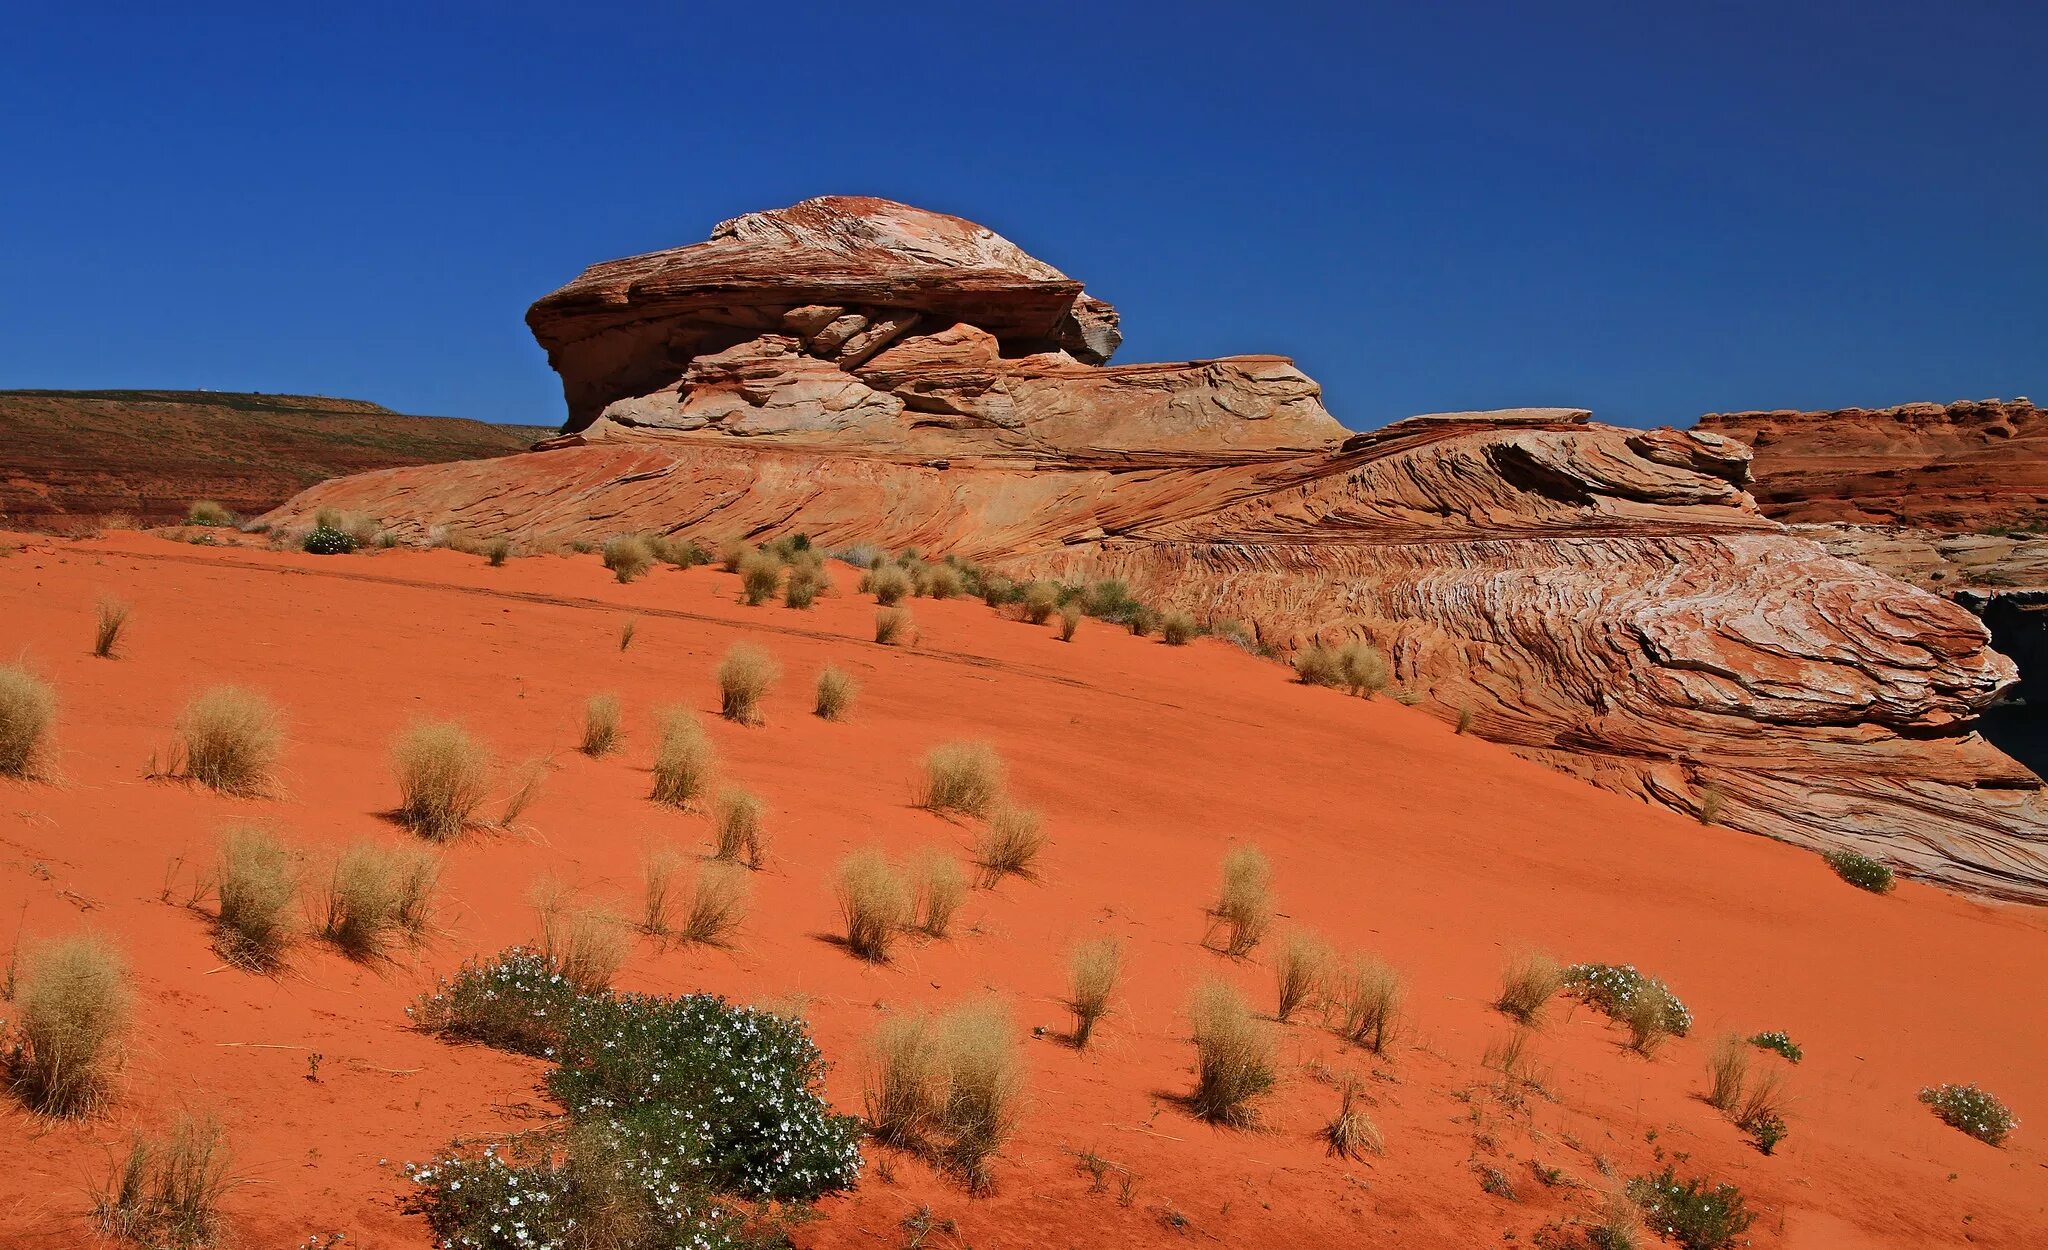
(737, 820)
(1693, 1211)
(73, 1005)
(1366, 997)
(1244, 904)
(112, 618)
(165, 1192)
(1178, 629)
(207, 512)
(718, 903)
(948, 1086)
(1861, 871)
(1009, 845)
(1234, 1056)
(1093, 970)
(1299, 970)
(600, 725)
(760, 576)
(1351, 1133)
(874, 902)
(628, 557)
(963, 777)
(28, 707)
(376, 894)
(683, 758)
(938, 887)
(835, 693)
(230, 739)
(256, 884)
(1975, 1111)
(744, 676)
(893, 626)
(1527, 985)
(443, 774)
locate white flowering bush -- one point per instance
(1780, 1041)
(1614, 988)
(1974, 1111)
(682, 1112)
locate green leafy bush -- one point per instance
(1972, 1110)
(1861, 871)
(517, 1001)
(1695, 1213)
(1780, 1041)
(325, 540)
(1614, 988)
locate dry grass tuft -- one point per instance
(807, 580)
(737, 818)
(1092, 972)
(208, 512)
(1648, 1018)
(443, 775)
(1070, 620)
(1039, 601)
(1178, 629)
(760, 575)
(375, 893)
(1318, 665)
(1299, 971)
(1366, 996)
(600, 725)
(28, 706)
(890, 586)
(1351, 1135)
(835, 694)
(73, 1005)
(113, 618)
(166, 1193)
(626, 632)
(658, 875)
(904, 1090)
(1527, 985)
(586, 945)
(1363, 668)
(743, 677)
(683, 760)
(256, 881)
(985, 1078)
(939, 887)
(1244, 906)
(1234, 1063)
(628, 556)
(732, 553)
(526, 786)
(1513, 1058)
(717, 905)
(1727, 1072)
(962, 777)
(893, 626)
(875, 903)
(231, 740)
(1010, 845)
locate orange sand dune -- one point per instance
(1387, 832)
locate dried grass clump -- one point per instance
(893, 626)
(626, 632)
(497, 551)
(113, 618)
(166, 1193)
(628, 556)
(940, 581)
(1319, 665)
(208, 512)
(375, 894)
(1010, 845)
(600, 725)
(683, 758)
(231, 740)
(1366, 997)
(760, 575)
(875, 903)
(1527, 985)
(904, 1090)
(1092, 972)
(28, 707)
(526, 787)
(1727, 1072)
(1234, 1062)
(835, 694)
(658, 876)
(256, 881)
(1648, 1016)
(717, 905)
(585, 945)
(1178, 629)
(889, 585)
(807, 580)
(939, 887)
(443, 775)
(1363, 668)
(964, 777)
(1244, 906)
(733, 553)
(743, 678)
(1040, 600)
(1299, 971)
(1352, 1134)
(72, 1007)
(737, 819)
(985, 1078)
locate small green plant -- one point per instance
(165, 1194)
(627, 556)
(1861, 871)
(113, 618)
(28, 707)
(1779, 1041)
(1695, 1213)
(835, 693)
(207, 512)
(1973, 1110)
(1092, 973)
(325, 540)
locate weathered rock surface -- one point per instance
(1608, 600)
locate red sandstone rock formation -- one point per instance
(1608, 600)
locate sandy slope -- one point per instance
(1387, 832)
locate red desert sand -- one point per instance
(1387, 833)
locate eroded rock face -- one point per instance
(1611, 601)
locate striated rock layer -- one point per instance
(1610, 601)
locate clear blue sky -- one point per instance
(1647, 212)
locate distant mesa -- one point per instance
(1609, 601)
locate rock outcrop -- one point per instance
(1608, 600)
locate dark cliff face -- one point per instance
(2018, 621)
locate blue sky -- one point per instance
(1652, 211)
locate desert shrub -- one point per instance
(166, 1193)
(682, 553)
(743, 677)
(231, 740)
(208, 512)
(1860, 871)
(1527, 985)
(835, 693)
(717, 904)
(1299, 971)
(658, 895)
(732, 554)
(737, 819)
(875, 903)
(1366, 997)
(1363, 668)
(586, 945)
(1727, 1073)
(683, 758)
(1110, 600)
(985, 1078)
(1973, 1110)
(112, 619)
(1351, 1134)
(1761, 1113)
(1040, 600)
(1780, 1041)
(627, 556)
(72, 1006)
(28, 706)
(1318, 665)
(442, 776)
(626, 632)
(1070, 620)
(1092, 972)
(1010, 844)
(1143, 623)
(256, 880)
(938, 889)
(962, 777)
(1234, 1059)
(1237, 634)
(600, 725)
(1614, 989)
(516, 1000)
(1244, 904)
(807, 580)
(889, 585)
(941, 581)
(1649, 1016)
(1178, 629)
(1695, 1213)
(1712, 800)
(324, 540)
(374, 894)
(1464, 725)
(760, 575)
(904, 1088)
(892, 626)
(497, 551)
(997, 591)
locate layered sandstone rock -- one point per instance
(1608, 600)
